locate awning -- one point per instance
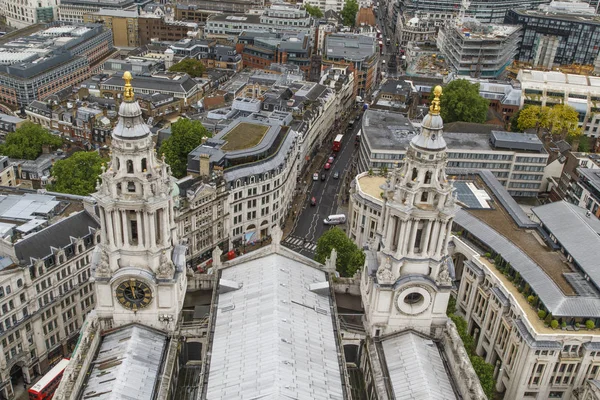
(248, 236)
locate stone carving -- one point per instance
(276, 235)
(384, 273)
(103, 267)
(216, 257)
(166, 269)
(443, 277)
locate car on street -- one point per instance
(336, 175)
(330, 161)
(313, 201)
(323, 176)
(315, 177)
(327, 165)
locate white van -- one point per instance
(335, 219)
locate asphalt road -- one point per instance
(309, 226)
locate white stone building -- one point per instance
(22, 13)
(45, 291)
(578, 91)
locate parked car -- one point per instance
(335, 219)
(313, 201)
(315, 177)
(323, 177)
(330, 161)
(336, 175)
(327, 165)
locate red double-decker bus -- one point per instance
(44, 389)
(337, 143)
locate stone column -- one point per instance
(119, 228)
(104, 226)
(434, 238)
(147, 235)
(140, 229)
(447, 239)
(440, 242)
(152, 228)
(413, 237)
(165, 226)
(110, 228)
(125, 228)
(426, 238)
(403, 226)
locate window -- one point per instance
(555, 395)
(131, 187)
(144, 166)
(129, 166)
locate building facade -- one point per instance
(477, 49)
(73, 10)
(21, 14)
(552, 88)
(45, 292)
(36, 66)
(554, 39)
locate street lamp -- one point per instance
(244, 242)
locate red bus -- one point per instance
(44, 389)
(337, 143)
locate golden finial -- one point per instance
(435, 108)
(128, 92)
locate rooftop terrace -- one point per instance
(244, 136)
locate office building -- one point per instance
(358, 51)
(477, 49)
(551, 88)
(23, 13)
(36, 66)
(73, 10)
(261, 49)
(8, 124)
(517, 160)
(45, 292)
(551, 39)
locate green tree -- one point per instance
(560, 120)
(314, 11)
(77, 174)
(349, 12)
(349, 257)
(485, 373)
(514, 122)
(27, 142)
(186, 135)
(461, 102)
(191, 66)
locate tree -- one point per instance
(559, 120)
(314, 11)
(191, 66)
(349, 12)
(186, 135)
(514, 125)
(349, 257)
(77, 174)
(461, 102)
(27, 142)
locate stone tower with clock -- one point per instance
(407, 284)
(139, 267)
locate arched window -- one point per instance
(424, 196)
(427, 177)
(144, 166)
(414, 174)
(19, 282)
(129, 167)
(1, 291)
(118, 163)
(237, 183)
(131, 187)
(252, 179)
(8, 289)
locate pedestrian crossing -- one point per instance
(299, 242)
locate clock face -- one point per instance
(134, 294)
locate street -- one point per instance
(309, 226)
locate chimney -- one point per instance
(204, 164)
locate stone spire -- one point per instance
(414, 230)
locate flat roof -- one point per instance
(274, 337)
(385, 130)
(350, 47)
(127, 365)
(244, 135)
(416, 368)
(577, 230)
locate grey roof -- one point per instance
(10, 118)
(127, 366)
(27, 207)
(592, 176)
(396, 86)
(274, 338)
(57, 235)
(577, 232)
(349, 47)
(516, 141)
(547, 290)
(416, 369)
(184, 84)
(384, 130)
(536, 344)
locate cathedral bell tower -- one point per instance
(411, 286)
(139, 267)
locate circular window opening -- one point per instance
(413, 298)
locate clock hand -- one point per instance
(132, 290)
